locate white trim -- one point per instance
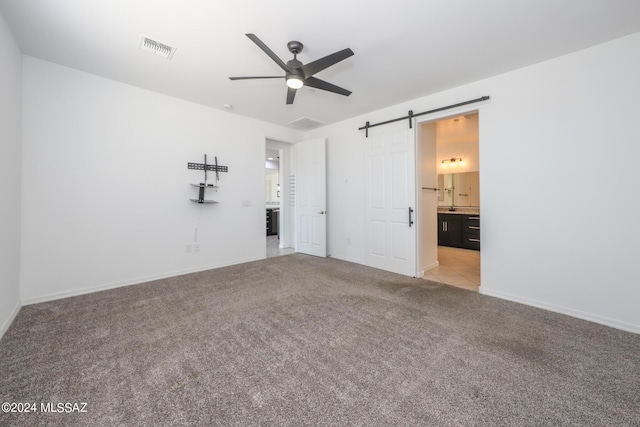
(434, 117)
(10, 319)
(347, 259)
(287, 209)
(629, 327)
(429, 267)
(136, 281)
(422, 271)
(417, 122)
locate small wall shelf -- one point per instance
(202, 186)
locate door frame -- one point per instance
(285, 225)
(310, 212)
(418, 122)
(421, 227)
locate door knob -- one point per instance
(322, 212)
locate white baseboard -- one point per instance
(348, 259)
(10, 319)
(136, 281)
(427, 268)
(591, 317)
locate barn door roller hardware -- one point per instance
(410, 115)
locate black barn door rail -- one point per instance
(411, 115)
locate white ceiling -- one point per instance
(404, 49)
(458, 129)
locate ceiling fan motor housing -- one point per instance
(294, 63)
(295, 47)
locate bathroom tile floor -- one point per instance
(458, 267)
(273, 248)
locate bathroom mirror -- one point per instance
(459, 189)
(272, 187)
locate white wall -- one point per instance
(551, 138)
(10, 160)
(106, 187)
(345, 190)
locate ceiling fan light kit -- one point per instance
(298, 74)
(294, 82)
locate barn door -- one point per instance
(390, 199)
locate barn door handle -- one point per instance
(410, 216)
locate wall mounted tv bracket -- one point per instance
(215, 167)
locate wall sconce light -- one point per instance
(452, 162)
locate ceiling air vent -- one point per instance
(154, 46)
(306, 123)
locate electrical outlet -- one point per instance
(187, 248)
(196, 247)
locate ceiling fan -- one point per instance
(298, 74)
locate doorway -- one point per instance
(449, 174)
(277, 199)
(298, 193)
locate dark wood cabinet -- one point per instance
(449, 230)
(272, 221)
(459, 231)
(471, 232)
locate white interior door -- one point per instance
(390, 199)
(311, 197)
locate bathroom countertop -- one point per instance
(460, 210)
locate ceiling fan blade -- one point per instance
(256, 77)
(320, 64)
(321, 84)
(269, 52)
(291, 93)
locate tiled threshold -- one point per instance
(458, 267)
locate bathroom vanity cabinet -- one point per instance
(459, 230)
(272, 221)
(450, 230)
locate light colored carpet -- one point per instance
(298, 340)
